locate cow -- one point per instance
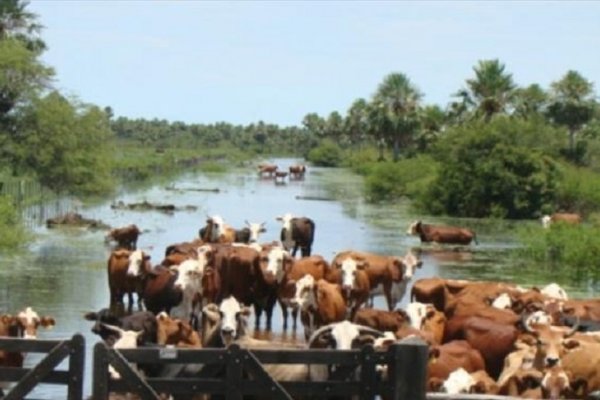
(297, 233)
(442, 234)
(582, 364)
(381, 320)
(320, 303)
(280, 177)
(138, 321)
(254, 231)
(461, 381)
(550, 343)
(189, 282)
(160, 293)
(23, 325)
(565, 218)
(297, 171)
(126, 237)
(267, 170)
(176, 253)
(293, 271)
(123, 282)
(447, 358)
(176, 332)
(343, 335)
(126, 339)
(217, 231)
(426, 318)
(355, 285)
(387, 274)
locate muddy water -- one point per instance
(63, 273)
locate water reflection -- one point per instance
(63, 273)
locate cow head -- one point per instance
(233, 317)
(554, 291)
(503, 302)
(255, 230)
(349, 269)
(305, 293)
(189, 276)
(28, 321)
(173, 331)
(414, 228)
(275, 262)
(418, 313)
(137, 263)
(549, 342)
(216, 226)
(126, 340)
(410, 263)
(343, 335)
(459, 381)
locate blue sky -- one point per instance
(276, 61)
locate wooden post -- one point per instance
(407, 369)
(100, 372)
(234, 373)
(368, 375)
(76, 366)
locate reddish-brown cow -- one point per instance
(442, 234)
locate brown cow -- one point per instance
(442, 234)
(297, 171)
(426, 318)
(23, 325)
(381, 319)
(314, 265)
(126, 237)
(446, 358)
(320, 302)
(121, 282)
(566, 218)
(173, 331)
(176, 253)
(267, 170)
(385, 273)
(280, 177)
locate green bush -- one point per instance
(327, 154)
(392, 180)
(486, 173)
(565, 246)
(12, 232)
(578, 190)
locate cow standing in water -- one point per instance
(297, 232)
(442, 234)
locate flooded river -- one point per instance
(63, 273)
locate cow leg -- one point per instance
(387, 291)
(294, 250)
(257, 312)
(269, 309)
(284, 313)
(294, 319)
(305, 251)
(129, 302)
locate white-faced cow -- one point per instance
(297, 233)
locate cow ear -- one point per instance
(47, 322)
(434, 354)
(7, 319)
(246, 311)
(146, 257)
(571, 344)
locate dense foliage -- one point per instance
(12, 232)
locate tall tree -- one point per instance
(431, 121)
(18, 23)
(314, 124)
(491, 89)
(572, 104)
(355, 123)
(529, 101)
(400, 99)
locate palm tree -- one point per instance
(400, 99)
(572, 104)
(18, 23)
(432, 120)
(491, 89)
(529, 101)
(355, 123)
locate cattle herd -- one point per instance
(484, 337)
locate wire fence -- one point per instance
(35, 202)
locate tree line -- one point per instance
(498, 149)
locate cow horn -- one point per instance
(525, 324)
(318, 333)
(113, 328)
(212, 312)
(574, 328)
(369, 331)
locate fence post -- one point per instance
(407, 369)
(76, 366)
(368, 374)
(100, 372)
(234, 373)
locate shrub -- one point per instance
(391, 180)
(486, 173)
(327, 154)
(12, 232)
(578, 189)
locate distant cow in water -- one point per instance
(297, 232)
(441, 234)
(297, 171)
(567, 218)
(126, 237)
(267, 170)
